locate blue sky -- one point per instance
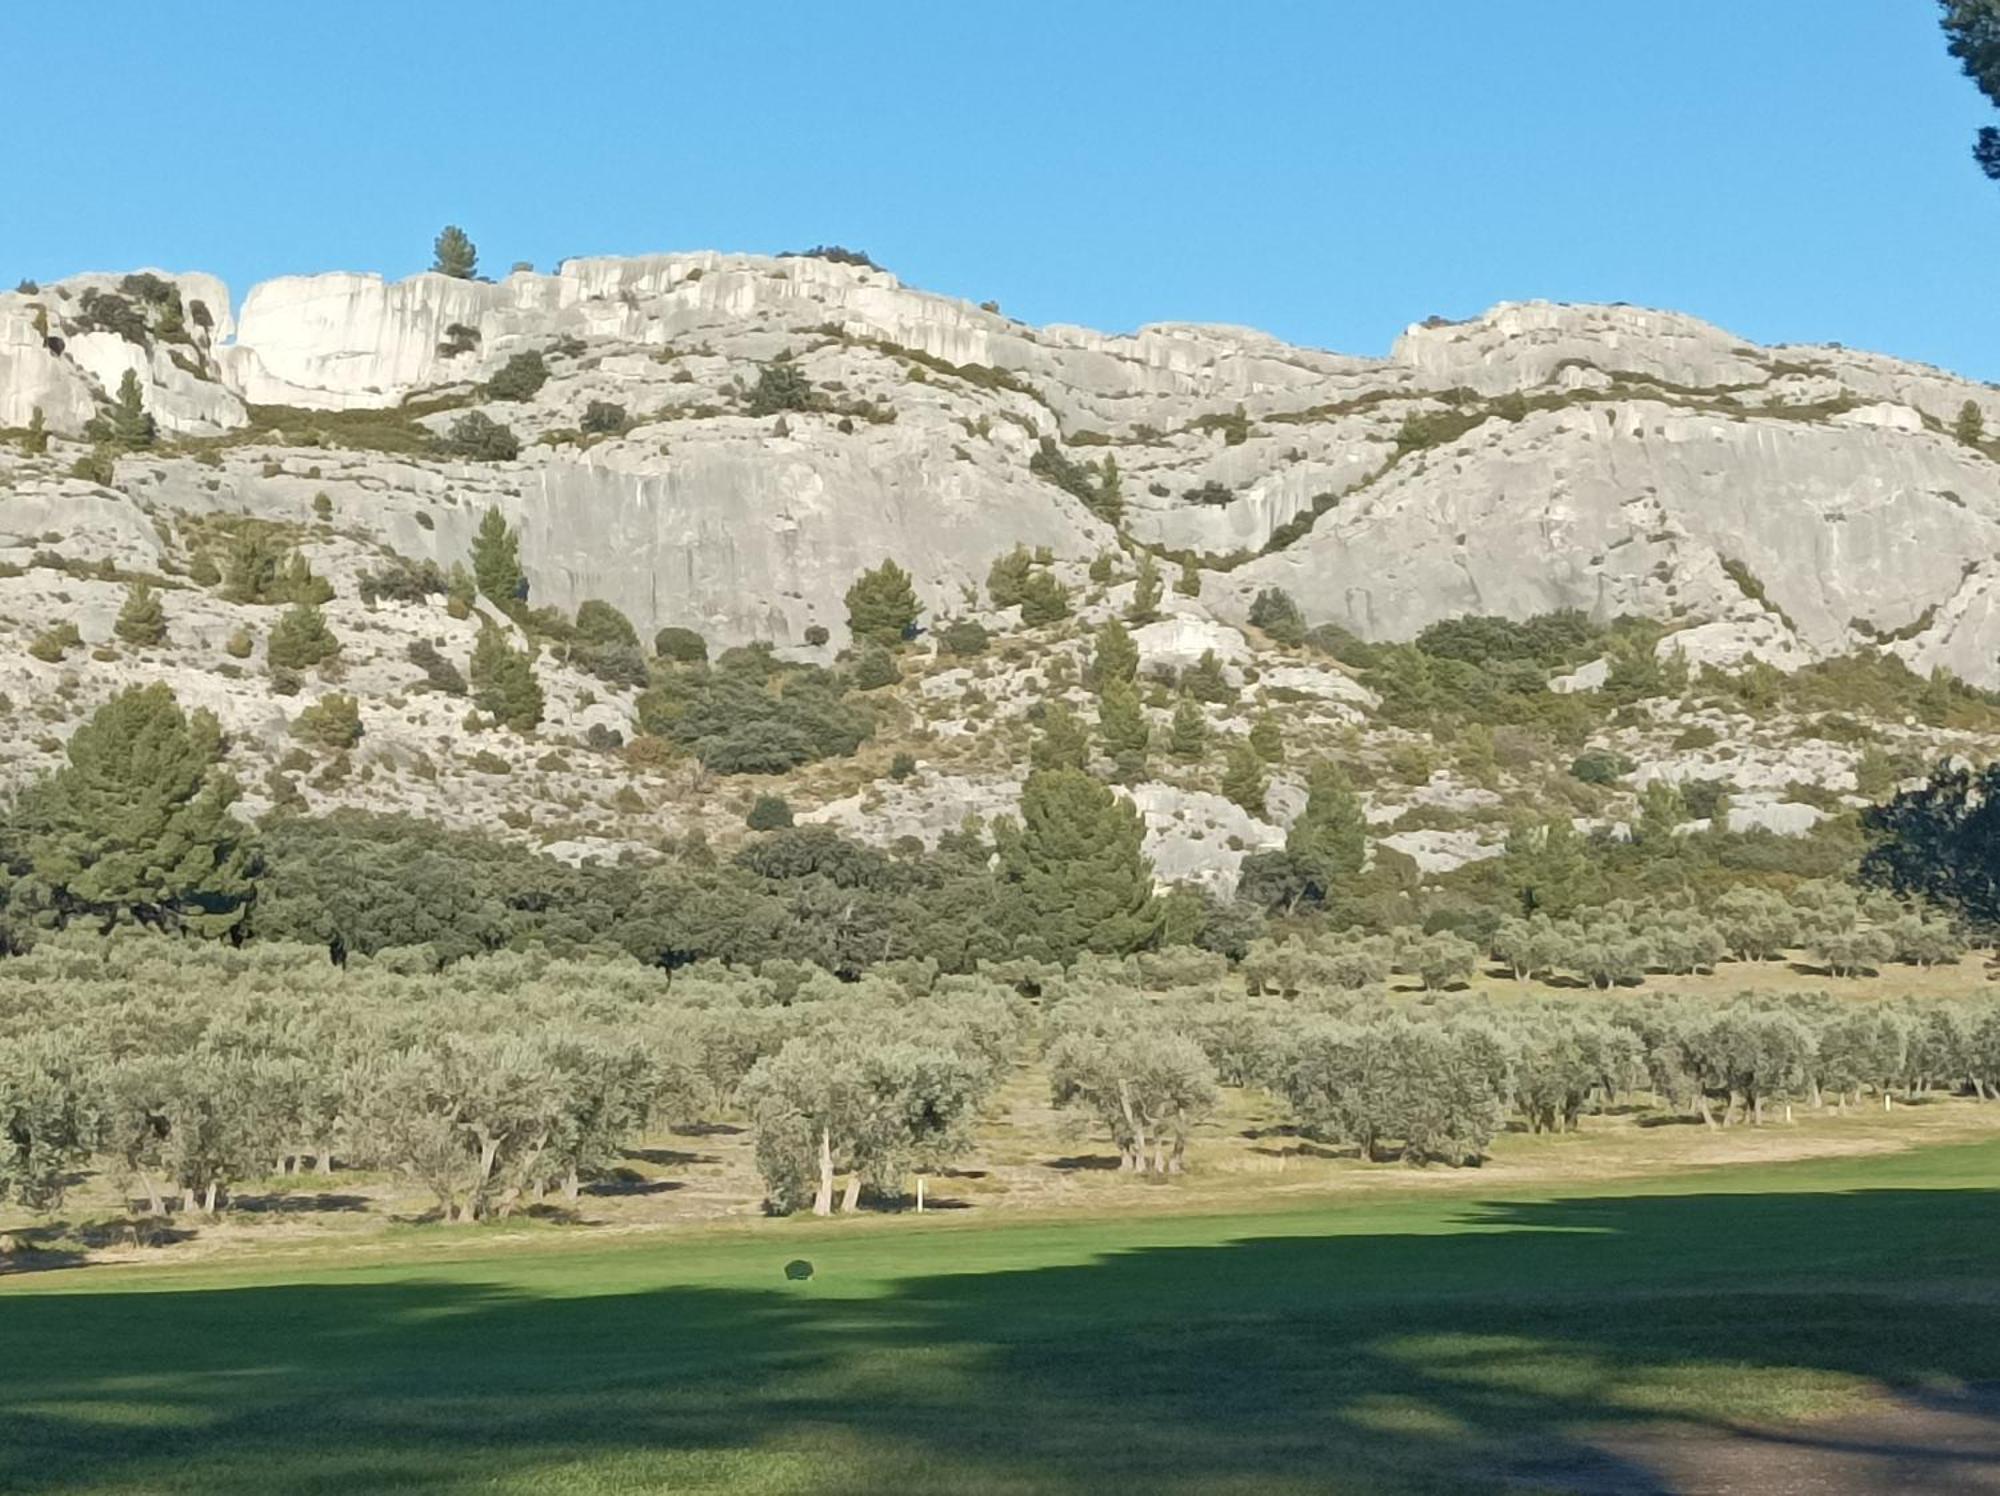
(1793, 169)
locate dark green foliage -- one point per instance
(835, 253)
(401, 580)
(1114, 658)
(602, 417)
(1007, 578)
(1205, 680)
(754, 714)
(1122, 729)
(1043, 600)
(480, 438)
(496, 562)
(520, 378)
(606, 645)
(875, 669)
(136, 828)
(1146, 590)
(112, 313)
(902, 766)
(99, 465)
(1062, 742)
(35, 440)
(1424, 429)
(1267, 738)
(964, 637)
(1973, 29)
(1601, 766)
(1328, 842)
(142, 620)
(439, 673)
(1274, 611)
(769, 813)
(1213, 493)
(680, 646)
(816, 635)
(1187, 740)
(781, 386)
(300, 639)
(1098, 489)
(453, 253)
(1073, 871)
(1244, 780)
(333, 722)
(882, 606)
(1941, 842)
(1970, 427)
(503, 682)
(127, 424)
(458, 340)
(1549, 641)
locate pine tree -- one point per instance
(1189, 583)
(496, 562)
(1074, 870)
(142, 620)
(301, 639)
(1108, 502)
(127, 423)
(1970, 427)
(1062, 742)
(1329, 840)
(454, 254)
(882, 606)
(1146, 591)
(1043, 600)
(137, 826)
(1114, 658)
(1121, 728)
(36, 442)
(1268, 738)
(1243, 779)
(1188, 740)
(503, 682)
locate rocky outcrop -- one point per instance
(1779, 504)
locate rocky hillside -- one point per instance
(723, 443)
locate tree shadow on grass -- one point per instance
(1491, 1347)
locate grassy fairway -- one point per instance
(1381, 1343)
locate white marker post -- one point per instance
(920, 1194)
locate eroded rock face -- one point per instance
(1772, 504)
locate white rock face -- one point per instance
(1199, 838)
(1181, 641)
(1772, 504)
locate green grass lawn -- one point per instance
(1374, 1343)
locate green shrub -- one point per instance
(603, 417)
(964, 637)
(902, 766)
(480, 438)
(520, 378)
(816, 635)
(333, 722)
(770, 813)
(503, 682)
(876, 669)
(781, 385)
(142, 620)
(439, 673)
(301, 639)
(1274, 611)
(55, 641)
(1601, 766)
(681, 646)
(453, 253)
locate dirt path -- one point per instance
(1942, 1445)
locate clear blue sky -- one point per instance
(1793, 169)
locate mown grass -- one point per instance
(1384, 1344)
